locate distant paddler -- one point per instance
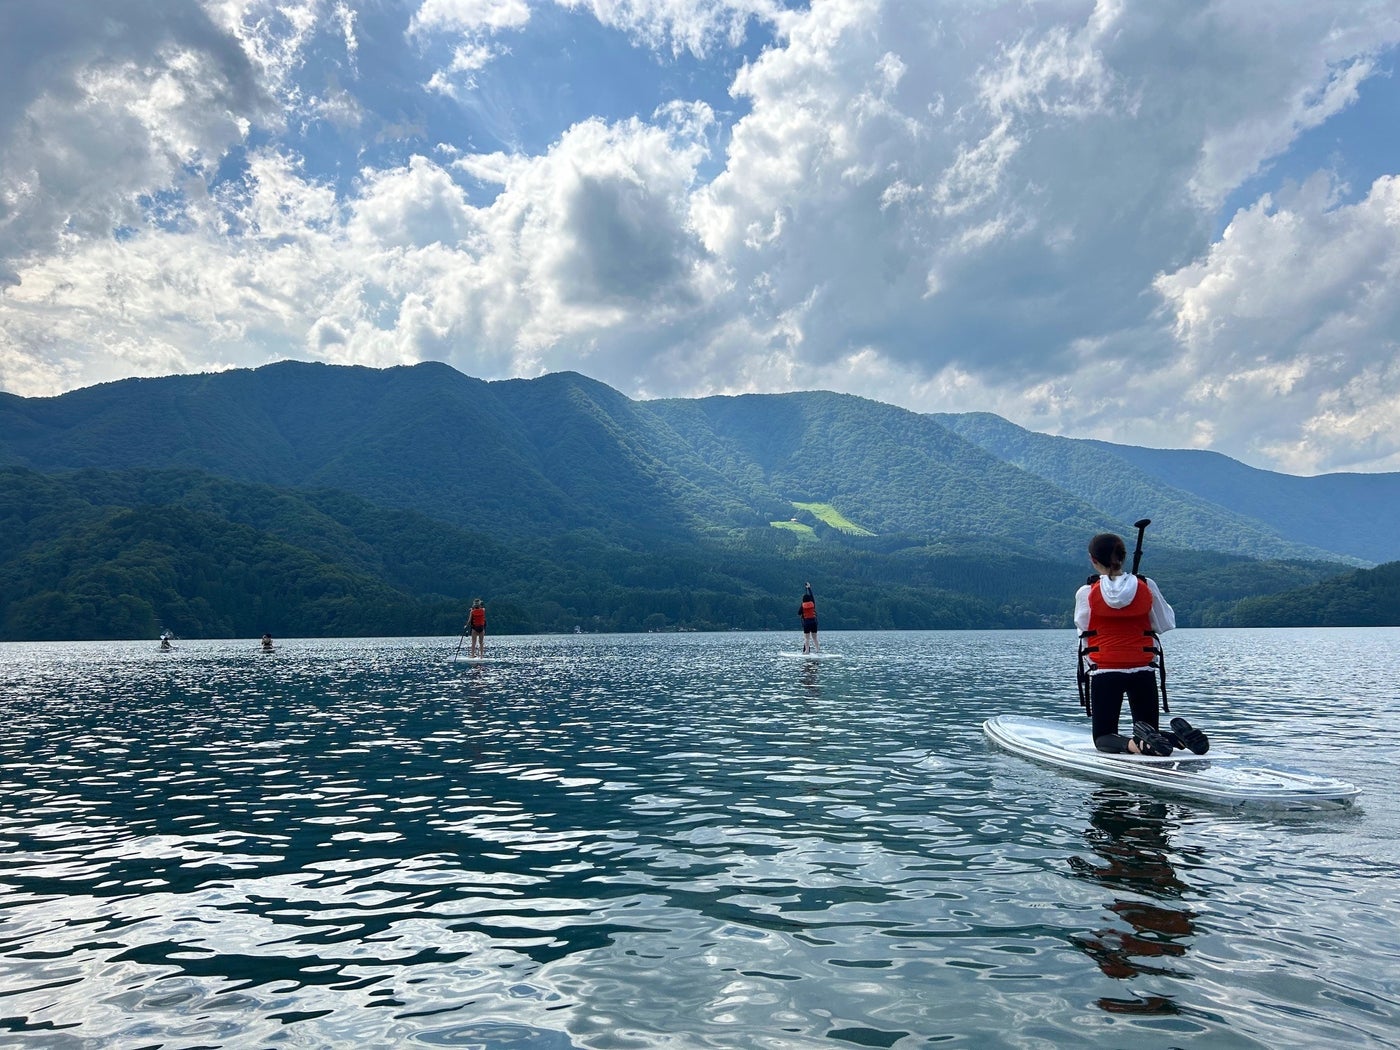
(267, 642)
(807, 610)
(476, 624)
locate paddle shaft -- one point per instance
(1141, 526)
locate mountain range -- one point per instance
(315, 499)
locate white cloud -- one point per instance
(123, 101)
(696, 26)
(946, 205)
(413, 207)
(1289, 93)
(1038, 188)
(1294, 314)
(592, 235)
(473, 26)
(470, 15)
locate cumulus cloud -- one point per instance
(469, 15)
(991, 226)
(998, 206)
(588, 236)
(1292, 315)
(103, 104)
(695, 26)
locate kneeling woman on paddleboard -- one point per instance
(1119, 616)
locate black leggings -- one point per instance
(1106, 692)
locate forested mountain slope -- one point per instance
(125, 554)
(1204, 500)
(1355, 514)
(556, 453)
(320, 500)
(541, 456)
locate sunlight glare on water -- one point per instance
(679, 841)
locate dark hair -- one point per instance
(1109, 550)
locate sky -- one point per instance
(1170, 223)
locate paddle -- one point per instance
(1141, 526)
(457, 652)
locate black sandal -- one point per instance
(1150, 741)
(1190, 736)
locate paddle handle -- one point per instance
(1141, 527)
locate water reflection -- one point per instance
(1129, 835)
(665, 841)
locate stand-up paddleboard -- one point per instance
(810, 656)
(479, 660)
(1214, 776)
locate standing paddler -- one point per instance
(807, 610)
(476, 624)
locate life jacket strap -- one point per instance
(1084, 665)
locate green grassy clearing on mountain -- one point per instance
(830, 515)
(803, 531)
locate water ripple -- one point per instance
(678, 841)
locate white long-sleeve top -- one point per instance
(1118, 591)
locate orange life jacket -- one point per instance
(478, 619)
(808, 610)
(1120, 638)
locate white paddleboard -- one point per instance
(1214, 776)
(810, 656)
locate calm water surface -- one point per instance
(679, 841)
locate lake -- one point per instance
(637, 841)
